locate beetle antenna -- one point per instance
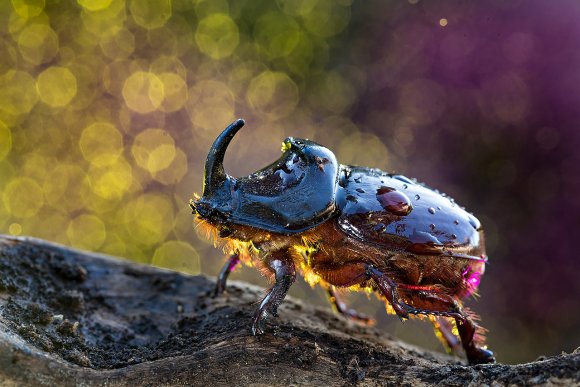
(215, 175)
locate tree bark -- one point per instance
(75, 318)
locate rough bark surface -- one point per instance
(73, 318)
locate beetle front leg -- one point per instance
(282, 265)
(222, 278)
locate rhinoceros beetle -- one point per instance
(347, 227)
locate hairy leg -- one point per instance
(281, 265)
(340, 306)
(447, 306)
(222, 278)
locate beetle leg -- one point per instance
(388, 288)
(444, 331)
(229, 266)
(465, 326)
(284, 274)
(475, 354)
(340, 306)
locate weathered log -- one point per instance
(75, 318)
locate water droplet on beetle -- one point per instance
(456, 222)
(432, 226)
(405, 186)
(431, 210)
(439, 208)
(417, 197)
(360, 190)
(358, 179)
(453, 236)
(394, 201)
(380, 227)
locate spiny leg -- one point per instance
(444, 331)
(222, 278)
(341, 307)
(465, 325)
(281, 264)
(475, 354)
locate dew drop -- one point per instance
(380, 227)
(432, 226)
(431, 210)
(453, 236)
(439, 208)
(417, 197)
(394, 201)
(405, 186)
(456, 222)
(360, 190)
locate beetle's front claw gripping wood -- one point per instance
(222, 278)
(340, 306)
(284, 274)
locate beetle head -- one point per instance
(294, 193)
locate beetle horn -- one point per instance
(215, 175)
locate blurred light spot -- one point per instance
(94, 5)
(296, 7)
(28, 8)
(174, 91)
(327, 18)
(117, 43)
(148, 218)
(23, 197)
(363, 149)
(168, 64)
(56, 86)
(217, 36)
(333, 92)
(175, 171)
(5, 140)
(422, 99)
(210, 102)
(547, 139)
(143, 92)
(96, 22)
(273, 94)
(18, 93)
(207, 7)
(15, 229)
(38, 43)
(277, 34)
(62, 187)
(443, 22)
(403, 136)
(507, 96)
(153, 150)
(86, 232)
(150, 14)
(518, 47)
(177, 255)
(111, 181)
(101, 143)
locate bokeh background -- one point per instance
(108, 107)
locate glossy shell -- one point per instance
(398, 213)
(293, 194)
